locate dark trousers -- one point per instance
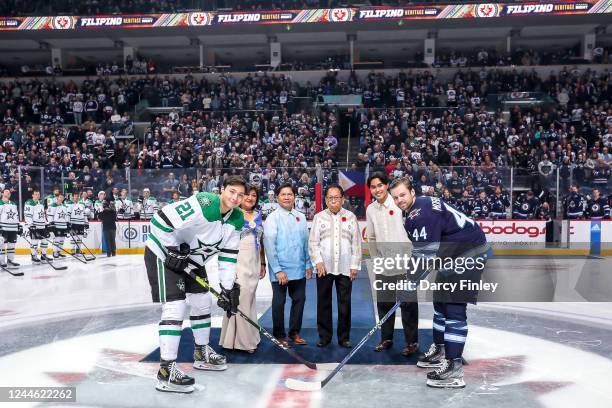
(109, 238)
(324, 307)
(297, 293)
(410, 314)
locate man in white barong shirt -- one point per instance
(334, 246)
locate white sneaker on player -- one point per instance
(206, 358)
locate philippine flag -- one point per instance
(353, 182)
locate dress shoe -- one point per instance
(346, 344)
(323, 343)
(410, 349)
(283, 341)
(384, 345)
(298, 340)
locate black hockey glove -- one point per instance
(136, 215)
(178, 258)
(229, 299)
(19, 229)
(45, 233)
(86, 226)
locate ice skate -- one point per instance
(206, 358)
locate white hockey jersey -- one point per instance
(58, 215)
(124, 208)
(268, 207)
(34, 214)
(198, 222)
(9, 216)
(98, 206)
(148, 207)
(51, 199)
(89, 206)
(79, 213)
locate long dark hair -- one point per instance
(248, 189)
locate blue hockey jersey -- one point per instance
(431, 222)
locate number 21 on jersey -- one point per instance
(184, 210)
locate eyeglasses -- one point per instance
(334, 198)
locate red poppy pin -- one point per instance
(343, 219)
(297, 219)
(390, 212)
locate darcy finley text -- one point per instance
(464, 284)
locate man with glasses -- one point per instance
(334, 246)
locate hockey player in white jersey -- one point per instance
(89, 204)
(269, 205)
(185, 232)
(9, 225)
(147, 206)
(124, 206)
(58, 217)
(99, 203)
(36, 220)
(79, 223)
(52, 198)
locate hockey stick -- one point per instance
(5, 269)
(63, 250)
(299, 385)
(45, 260)
(78, 242)
(251, 322)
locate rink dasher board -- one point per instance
(510, 237)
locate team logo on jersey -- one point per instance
(204, 201)
(10, 214)
(206, 250)
(340, 14)
(255, 178)
(414, 213)
(486, 10)
(595, 207)
(62, 23)
(199, 19)
(525, 207)
(180, 284)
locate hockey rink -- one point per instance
(93, 327)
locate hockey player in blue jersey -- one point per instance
(437, 230)
(597, 207)
(574, 204)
